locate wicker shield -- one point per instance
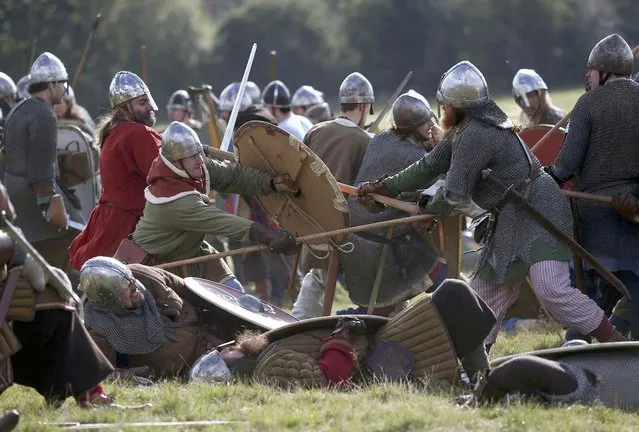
(551, 148)
(319, 207)
(616, 365)
(78, 167)
(248, 309)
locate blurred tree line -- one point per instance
(317, 42)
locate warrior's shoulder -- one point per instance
(135, 131)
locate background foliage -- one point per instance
(318, 42)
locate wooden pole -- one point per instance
(144, 64)
(307, 238)
(273, 65)
(537, 147)
(291, 282)
(391, 202)
(85, 52)
(603, 199)
(377, 283)
(331, 280)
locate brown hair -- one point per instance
(108, 122)
(347, 107)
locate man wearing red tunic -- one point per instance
(128, 145)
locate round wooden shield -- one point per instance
(373, 323)
(551, 147)
(319, 207)
(208, 294)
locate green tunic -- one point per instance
(174, 229)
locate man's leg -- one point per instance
(309, 300)
(551, 283)
(499, 297)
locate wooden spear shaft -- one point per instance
(535, 149)
(302, 239)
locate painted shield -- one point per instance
(319, 207)
(550, 149)
(373, 323)
(255, 312)
(615, 364)
(78, 167)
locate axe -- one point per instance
(510, 194)
(196, 94)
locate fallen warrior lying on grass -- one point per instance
(423, 341)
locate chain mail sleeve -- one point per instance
(424, 171)
(42, 130)
(573, 151)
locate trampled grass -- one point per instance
(376, 407)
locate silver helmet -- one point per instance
(463, 86)
(103, 279)
(125, 86)
(228, 96)
(277, 94)
(48, 68)
(254, 93)
(526, 81)
(180, 99)
(356, 89)
(306, 96)
(179, 141)
(612, 54)
(8, 88)
(319, 113)
(411, 110)
(23, 87)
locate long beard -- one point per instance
(450, 119)
(147, 119)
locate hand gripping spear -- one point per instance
(513, 196)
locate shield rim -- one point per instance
(328, 175)
(554, 353)
(373, 323)
(250, 317)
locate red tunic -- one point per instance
(125, 161)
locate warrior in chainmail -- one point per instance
(409, 260)
(600, 156)
(479, 136)
(141, 319)
(532, 95)
(30, 145)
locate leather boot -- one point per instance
(9, 421)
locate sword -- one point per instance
(373, 127)
(228, 133)
(513, 196)
(54, 279)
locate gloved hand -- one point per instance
(548, 170)
(278, 241)
(56, 214)
(34, 274)
(627, 205)
(349, 326)
(365, 193)
(283, 183)
(61, 284)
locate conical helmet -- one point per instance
(179, 99)
(612, 54)
(125, 86)
(526, 81)
(411, 110)
(228, 96)
(356, 89)
(23, 87)
(7, 86)
(179, 141)
(48, 68)
(277, 94)
(103, 279)
(254, 92)
(463, 86)
(307, 96)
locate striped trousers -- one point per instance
(550, 281)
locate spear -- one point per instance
(85, 52)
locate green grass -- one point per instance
(376, 407)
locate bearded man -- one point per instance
(341, 144)
(30, 147)
(600, 156)
(532, 96)
(478, 135)
(411, 258)
(177, 215)
(128, 146)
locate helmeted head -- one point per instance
(276, 94)
(412, 115)
(319, 113)
(463, 86)
(179, 106)
(8, 90)
(109, 283)
(304, 98)
(128, 91)
(610, 56)
(356, 89)
(48, 73)
(254, 92)
(23, 87)
(182, 147)
(526, 86)
(228, 97)
(64, 107)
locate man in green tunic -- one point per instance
(178, 215)
(479, 135)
